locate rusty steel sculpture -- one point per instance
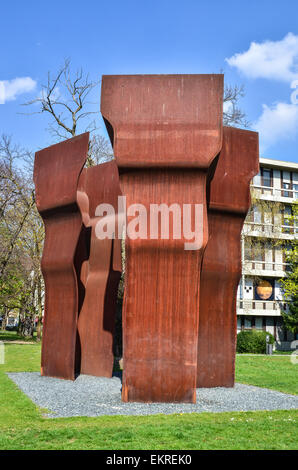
(165, 130)
(228, 204)
(56, 173)
(179, 311)
(81, 272)
(98, 185)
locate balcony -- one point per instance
(269, 230)
(268, 308)
(264, 268)
(275, 194)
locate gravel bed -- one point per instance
(97, 396)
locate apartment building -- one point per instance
(268, 231)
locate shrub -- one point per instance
(252, 341)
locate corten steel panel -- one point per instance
(97, 185)
(163, 120)
(166, 130)
(229, 201)
(56, 173)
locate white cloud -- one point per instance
(277, 123)
(270, 59)
(10, 89)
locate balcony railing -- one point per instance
(269, 229)
(251, 265)
(276, 192)
(260, 307)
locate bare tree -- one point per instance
(232, 114)
(21, 239)
(100, 150)
(16, 196)
(65, 99)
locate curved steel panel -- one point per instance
(56, 173)
(229, 201)
(99, 184)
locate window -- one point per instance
(255, 253)
(258, 216)
(286, 253)
(255, 217)
(266, 177)
(286, 183)
(259, 252)
(248, 253)
(257, 180)
(287, 220)
(286, 193)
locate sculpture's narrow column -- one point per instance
(229, 201)
(56, 173)
(166, 131)
(99, 185)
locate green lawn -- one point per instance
(23, 427)
(13, 336)
(275, 372)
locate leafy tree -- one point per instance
(290, 282)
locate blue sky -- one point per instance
(155, 36)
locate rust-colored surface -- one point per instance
(166, 131)
(56, 173)
(100, 274)
(229, 201)
(173, 120)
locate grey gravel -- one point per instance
(97, 396)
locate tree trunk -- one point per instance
(4, 319)
(21, 317)
(38, 329)
(27, 327)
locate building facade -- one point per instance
(267, 233)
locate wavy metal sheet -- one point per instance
(228, 204)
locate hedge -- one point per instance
(253, 341)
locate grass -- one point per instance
(22, 425)
(283, 352)
(274, 372)
(6, 335)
